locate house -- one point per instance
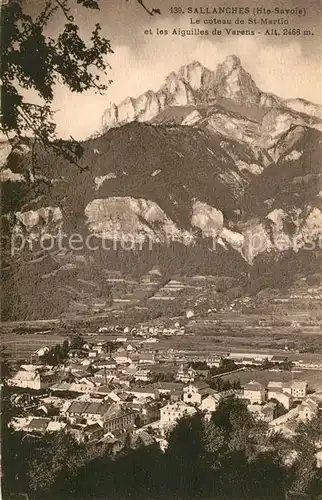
(318, 456)
(55, 426)
(131, 348)
(283, 397)
(173, 412)
(122, 357)
(147, 358)
(176, 395)
(129, 370)
(103, 376)
(142, 392)
(260, 412)
(77, 367)
(194, 392)
(279, 359)
(38, 425)
(190, 313)
(299, 389)
(93, 432)
(249, 358)
(308, 409)
(84, 410)
(141, 438)
(86, 433)
(144, 375)
(167, 387)
(276, 390)
(254, 392)
(149, 410)
(88, 382)
(151, 340)
(33, 379)
(215, 361)
(80, 374)
(30, 368)
(118, 420)
(186, 376)
(109, 364)
(42, 351)
(210, 402)
(123, 380)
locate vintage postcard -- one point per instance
(161, 236)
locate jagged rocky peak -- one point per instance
(193, 84)
(233, 82)
(196, 75)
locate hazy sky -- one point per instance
(287, 66)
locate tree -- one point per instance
(33, 60)
(279, 408)
(5, 365)
(185, 457)
(56, 460)
(77, 342)
(163, 377)
(306, 476)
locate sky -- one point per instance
(289, 66)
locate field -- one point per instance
(23, 346)
(206, 334)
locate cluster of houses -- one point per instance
(146, 331)
(97, 394)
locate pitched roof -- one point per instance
(142, 436)
(275, 384)
(298, 384)
(94, 408)
(25, 375)
(253, 386)
(56, 426)
(308, 404)
(171, 386)
(38, 424)
(93, 427)
(206, 391)
(148, 356)
(143, 390)
(200, 385)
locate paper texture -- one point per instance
(161, 250)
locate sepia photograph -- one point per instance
(161, 238)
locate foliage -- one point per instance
(163, 377)
(306, 475)
(31, 60)
(5, 365)
(231, 456)
(220, 385)
(56, 354)
(77, 342)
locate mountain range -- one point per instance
(212, 173)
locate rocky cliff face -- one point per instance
(196, 85)
(233, 82)
(193, 84)
(208, 166)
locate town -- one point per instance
(103, 391)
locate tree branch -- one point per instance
(151, 12)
